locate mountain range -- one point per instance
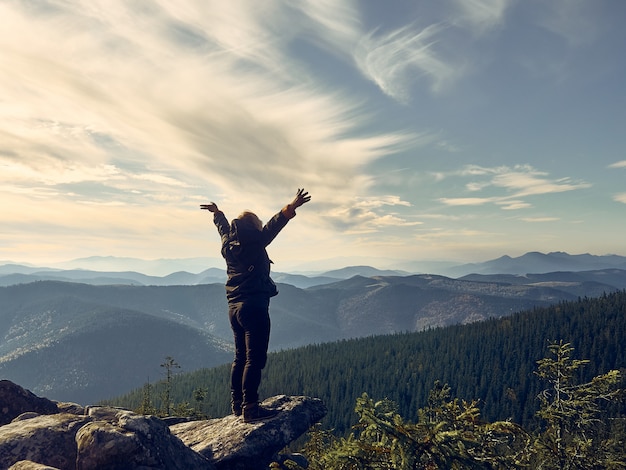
(529, 263)
(83, 342)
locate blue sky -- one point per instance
(457, 130)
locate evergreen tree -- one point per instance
(575, 436)
(448, 435)
(146, 407)
(199, 395)
(170, 364)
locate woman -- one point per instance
(248, 291)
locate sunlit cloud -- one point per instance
(89, 76)
(368, 214)
(539, 219)
(621, 197)
(55, 173)
(518, 182)
(513, 205)
(161, 180)
(620, 164)
(466, 201)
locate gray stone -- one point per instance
(30, 465)
(27, 415)
(15, 400)
(232, 444)
(45, 439)
(101, 437)
(74, 408)
(134, 441)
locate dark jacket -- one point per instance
(247, 262)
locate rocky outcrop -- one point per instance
(235, 445)
(15, 400)
(85, 438)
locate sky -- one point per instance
(424, 130)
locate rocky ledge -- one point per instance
(38, 434)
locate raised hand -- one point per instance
(302, 197)
(212, 207)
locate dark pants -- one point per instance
(250, 321)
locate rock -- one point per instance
(97, 437)
(232, 444)
(15, 400)
(73, 408)
(132, 441)
(45, 439)
(30, 465)
(27, 415)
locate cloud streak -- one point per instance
(391, 59)
(156, 83)
(519, 182)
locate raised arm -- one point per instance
(302, 197)
(278, 222)
(219, 219)
(211, 207)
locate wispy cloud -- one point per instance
(156, 83)
(621, 197)
(620, 164)
(539, 219)
(518, 182)
(368, 214)
(481, 15)
(392, 59)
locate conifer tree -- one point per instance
(146, 407)
(574, 436)
(170, 364)
(448, 435)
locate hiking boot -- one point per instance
(236, 406)
(253, 413)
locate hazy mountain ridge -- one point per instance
(68, 339)
(91, 270)
(536, 262)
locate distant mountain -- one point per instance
(110, 269)
(156, 267)
(301, 281)
(535, 262)
(18, 274)
(67, 340)
(365, 271)
(583, 283)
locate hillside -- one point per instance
(59, 342)
(492, 360)
(47, 326)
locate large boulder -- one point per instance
(15, 400)
(234, 445)
(44, 439)
(120, 440)
(85, 438)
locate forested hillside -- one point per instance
(48, 327)
(493, 361)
